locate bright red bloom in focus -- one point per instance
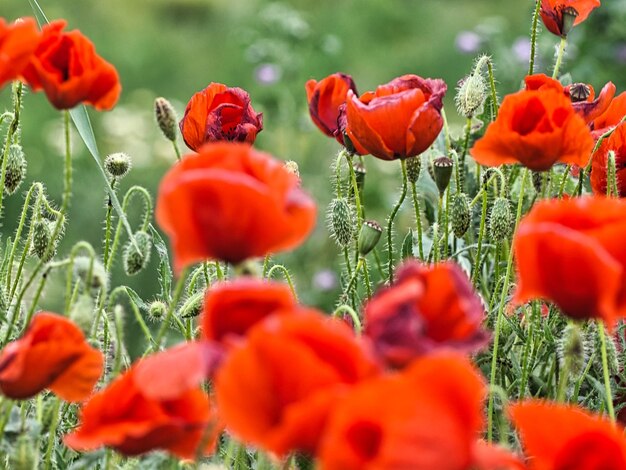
(156, 404)
(277, 389)
(428, 417)
(231, 202)
(552, 12)
(18, 41)
(220, 113)
(427, 308)
(566, 437)
(571, 252)
(65, 65)
(53, 354)
(400, 119)
(536, 128)
(616, 143)
(611, 117)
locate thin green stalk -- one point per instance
(418, 220)
(468, 132)
(52, 434)
(559, 57)
(479, 244)
(535, 316)
(446, 228)
(107, 226)
(286, 275)
(180, 284)
(352, 282)
(350, 311)
(533, 38)
(392, 216)
(176, 150)
(366, 276)
(13, 127)
(564, 180)
(505, 290)
(492, 87)
(605, 370)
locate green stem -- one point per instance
(418, 220)
(494, 94)
(479, 244)
(564, 180)
(559, 57)
(350, 311)
(286, 275)
(180, 284)
(177, 150)
(533, 37)
(392, 216)
(605, 370)
(52, 434)
(10, 133)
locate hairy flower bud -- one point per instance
(117, 164)
(341, 221)
(97, 279)
(368, 236)
(82, 312)
(42, 236)
(413, 167)
(500, 220)
(442, 171)
(460, 214)
(572, 349)
(292, 167)
(157, 310)
(15, 169)
(137, 255)
(471, 94)
(166, 118)
(192, 306)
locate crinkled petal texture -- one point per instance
(156, 404)
(552, 12)
(18, 42)
(611, 117)
(230, 203)
(565, 437)
(421, 419)
(325, 98)
(53, 354)
(427, 308)
(615, 143)
(400, 119)
(536, 128)
(65, 65)
(571, 252)
(276, 390)
(220, 113)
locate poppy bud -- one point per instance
(192, 306)
(42, 235)
(579, 92)
(500, 220)
(292, 167)
(25, 453)
(572, 349)
(413, 168)
(460, 214)
(569, 16)
(157, 310)
(359, 172)
(82, 311)
(611, 350)
(137, 255)
(537, 178)
(341, 221)
(117, 164)
(368, 236)
(442, 171)
(471, 94)
(166, 118)
(15, 169)
(98, 279)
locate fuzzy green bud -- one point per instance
(471, 95)
(460, 214)
(157, 310)
(292, 167)
(192, 306)
(369, 235)
(413, 168)
(82, 312)
(341, 221)
(117, 164)
(442, 171)
(137, 255)
(500, 220)
(15, 169)
(42, 236)
(572, 350)
(166, 118)
(97, 279)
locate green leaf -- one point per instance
(165, 272)
(407, 246)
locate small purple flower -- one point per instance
(521, 49)
(268, 74)
(468, 42)
(325, 280)
(620, 53)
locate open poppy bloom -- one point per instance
(611, 117)
(430, 416)
(536, 128)
(18, 41)
(615, 143)
(581, 95)
(220, 113)
(401, 119)
(53, 354)
(564, 437)
(156, 404)
(230, 203)
(571, 252)
(554, 14)
(276, 390)
(427, 308)
(65, 65)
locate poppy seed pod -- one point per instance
(117, 164)
(559, 16)
(157, 310)
(413, 168)
(369, 235)
(15, 169)
(359, 173)
(569, 17)
(341, 221)
(500, 219)
(460, 214)
(442, 171)
(137, 255)
(579, 92)
(166, 118)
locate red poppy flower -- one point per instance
(536, 128)
(611, 117)
(276, 390)
(325, 100)
(231, 202)
(156, 404)
(65, 65)
(52, 354)
(552, 13)
(588, 108)
(564, 437)
(427, 308)
(616, 143)
(220, 113)
(18, 41)
(399, 120)
(421, 419)
(571, 252)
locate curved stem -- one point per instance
(559, 57)
(170, 310)
(392, 216)
(286, 275)
(350, 311)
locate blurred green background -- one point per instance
(173, 48)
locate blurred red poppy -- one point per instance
(220, 113)
(563, 437)
(230, 203)
(65, 65)
(552, 13)
(571, 252)
(400, 119)
(614, 114)
(615, 143)
(427, 308)
(276, 390)
(536, 128)
(18, 42)
(52, 354)
(156, 404)
(429, 416)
